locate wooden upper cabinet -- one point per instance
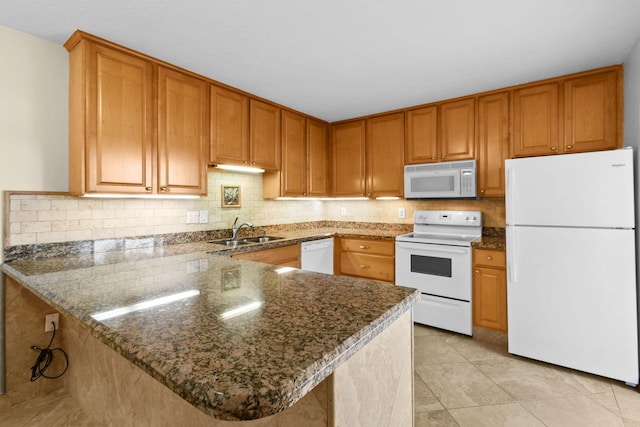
(457, 130)
(136, 127)
(264, 135)
(421, 144)
(592, 112)
(535, 120)
(111, 121)
(385, 156)
(294, 155)
(318, 178)
(183, 133)
(492, 143)
(348, 148)
(229, 127)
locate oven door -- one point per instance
(439, 270)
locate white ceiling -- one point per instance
(338, 59)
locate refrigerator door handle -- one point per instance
(511, 256)
(511, 195)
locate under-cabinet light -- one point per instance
(387, 198)
(241, 310)
(233, 168)
(144, 305)
(139, 196)
(324, 199)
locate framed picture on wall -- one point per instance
(230, 196)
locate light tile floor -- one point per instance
(460, 381)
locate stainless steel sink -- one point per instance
(230, 243)
(235, 243)
(262, 239)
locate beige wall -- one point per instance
(33, 114)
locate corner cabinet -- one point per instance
(128, 130)
(489, 289)
(347, 143)
(305, 162)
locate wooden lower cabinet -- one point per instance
(371, 259)
(288, 256)
(489, 289)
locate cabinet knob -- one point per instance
(364, 247)
(553, 148)
(245, 162)
(482, 191)
(253, 163)
(443, 157)
(477, 271)
(433, 158)
(568, 147)
(489, 257)
(148, 188)
(165, 189)
(363, 266)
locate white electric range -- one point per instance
(436, 260)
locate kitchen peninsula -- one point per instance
(148, 330)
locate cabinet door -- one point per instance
(318, 178)
(264, 135)
(348, 159)
(457, 130)
(286, 256)
(119, 135)
(183, 133)
(229, 127)
(591, 113)
(294, 155)
(385, 156)
(535, 120)
(421, 145)
(490, 298)
(493, 143)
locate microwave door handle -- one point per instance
(420, 246)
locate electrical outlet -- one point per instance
(193, 217)
(402, 214)
(343, 211)
(204, 217)
(51, 318)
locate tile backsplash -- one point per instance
(43, 218)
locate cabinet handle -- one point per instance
(553, 148)
(165, 189)
(148, 188)
(568, 147)
(489, 257)
(364, 247)
(363, 266)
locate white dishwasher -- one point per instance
(317, 255)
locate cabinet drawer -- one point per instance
(285, 255)
(489, 258)
(378, 247)
(377, 267)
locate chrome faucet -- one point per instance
(236, 228)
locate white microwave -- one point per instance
(445, 180)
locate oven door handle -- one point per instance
(442, 249)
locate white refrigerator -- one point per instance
(571, 275)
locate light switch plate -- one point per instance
(402, 214)
(343, 211)
(204, 217)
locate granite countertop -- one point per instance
(299, 326)
(490, 242)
